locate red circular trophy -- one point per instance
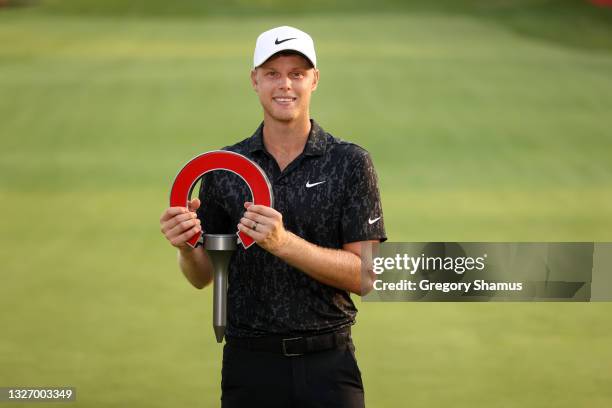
(221, 246)
(249, 171)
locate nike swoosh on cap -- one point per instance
(308, 185)
(372, 221)
(282, 41)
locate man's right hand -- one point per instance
(178, 224)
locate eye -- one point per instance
(297, 75)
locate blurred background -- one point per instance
(486, 120)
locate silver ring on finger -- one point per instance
(255, 226)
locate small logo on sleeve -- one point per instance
(372, 221)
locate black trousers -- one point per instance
(326, 379)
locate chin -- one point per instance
(284, 116)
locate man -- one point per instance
(289, 311)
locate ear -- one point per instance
(254, 79)
(315, 82)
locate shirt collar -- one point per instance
(315, 145)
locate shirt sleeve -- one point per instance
(214, 217)
(362, 216)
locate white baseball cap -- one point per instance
(282, 39)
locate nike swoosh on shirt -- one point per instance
(282, 41)
(308, 185)
(372, 221)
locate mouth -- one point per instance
(284, 100)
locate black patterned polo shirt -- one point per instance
(328, 196)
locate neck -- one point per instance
(285, 138)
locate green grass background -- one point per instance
(486, 121)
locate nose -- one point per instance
(284, 82)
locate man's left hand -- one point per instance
(265, 225)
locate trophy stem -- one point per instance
(220, 248)
(220, 302)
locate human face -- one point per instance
(284, 84)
